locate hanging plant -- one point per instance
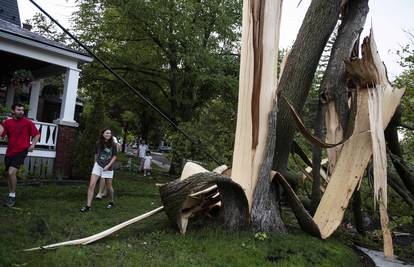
(21, 77)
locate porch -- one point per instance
(49, 89)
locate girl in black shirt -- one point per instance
(105, 157)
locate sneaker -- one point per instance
(100, 196)
(9, 202)
(85, 209)
(110, 205)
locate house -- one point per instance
(54, 114)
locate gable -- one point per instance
(9, 11)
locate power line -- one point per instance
(133, 89)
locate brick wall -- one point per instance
(64, 150)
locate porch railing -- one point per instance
(48, 134)
(40, 162)
(46, 147)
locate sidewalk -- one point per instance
(381, 261)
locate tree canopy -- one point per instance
(179, 54)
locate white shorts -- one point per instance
(99, 171)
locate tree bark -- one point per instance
(400, 189)
(124, 143)
(356, 209)
(298, 73)
(334, 82)
(317, 158)
(391, 136)
(265, 211)
(306, 223)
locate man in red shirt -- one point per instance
(19, 130)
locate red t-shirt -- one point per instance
(18, 133)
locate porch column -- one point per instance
(34, 99)
(67, 110)
(67, 125)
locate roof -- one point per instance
(9, 11)
(7, 28)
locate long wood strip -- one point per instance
(375, 104)
(95, 237)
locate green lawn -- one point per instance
(50, 214)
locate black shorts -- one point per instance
(15, 161)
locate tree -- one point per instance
(401, 152)
(43, 26)
(333, 88)
(297, 76)
(179, 54)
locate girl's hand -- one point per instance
(106, 168)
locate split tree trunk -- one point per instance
(368, 72)
(297, 76)
(257, 96)
(334, 90)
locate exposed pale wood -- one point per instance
(379, 152)
(191, 168)
(386, 232)
(220, 169)
(95, 237)
(334, 134)
(205, 191)
(257, 85)
(357, 151)
(375, 106)
(322, 172)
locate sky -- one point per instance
(390, 21)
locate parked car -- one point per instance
(164, 149)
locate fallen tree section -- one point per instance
(357, 151)
(181, 200)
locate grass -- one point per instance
(50, 214)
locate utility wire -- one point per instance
(133, 89)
